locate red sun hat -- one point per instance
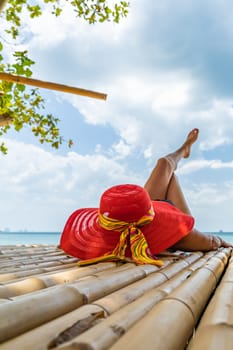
(127, 224)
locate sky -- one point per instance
(166, 69)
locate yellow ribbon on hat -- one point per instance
(138, 244)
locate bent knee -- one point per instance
(166, 163)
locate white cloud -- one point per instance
(215, 141)
(172, 96)
(147, 101)
(49, 31)
(121, 149)
(211, 205)
(142, 109)
(159, 87)
(199, 164)
(40, 189)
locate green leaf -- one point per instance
(3, 148)
(28, 73)
(20, 87)
(35, 11)
(57, 11)
(26, 106)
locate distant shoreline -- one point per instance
(59, 232)
(30, 232)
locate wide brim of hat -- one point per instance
(84, 238)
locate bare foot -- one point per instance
(184, 150)
(191, 138)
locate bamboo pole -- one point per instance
(11, 251)
(108, 332)
(18, 316)
(181, 264)
(32, 252)
(151, 331)
(37, 308)
(40, 337)
(41, 281)
(215, 329)
(115, 301)
(32, 265)
(38, 282)
(52, 86)
(171, 322)
(25, 260)
(6, 277)
(138, 289)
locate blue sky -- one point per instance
(166, 69)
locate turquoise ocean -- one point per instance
(12, 238)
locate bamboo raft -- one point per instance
(48, 302)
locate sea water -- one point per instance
(227, 236)
(11, 238)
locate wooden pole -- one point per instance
(2, 4)
(170, 323)
(52, 86)
(215, 328)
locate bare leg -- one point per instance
(163, 184)
(195, 240)
(159, 181)
(175, 194)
